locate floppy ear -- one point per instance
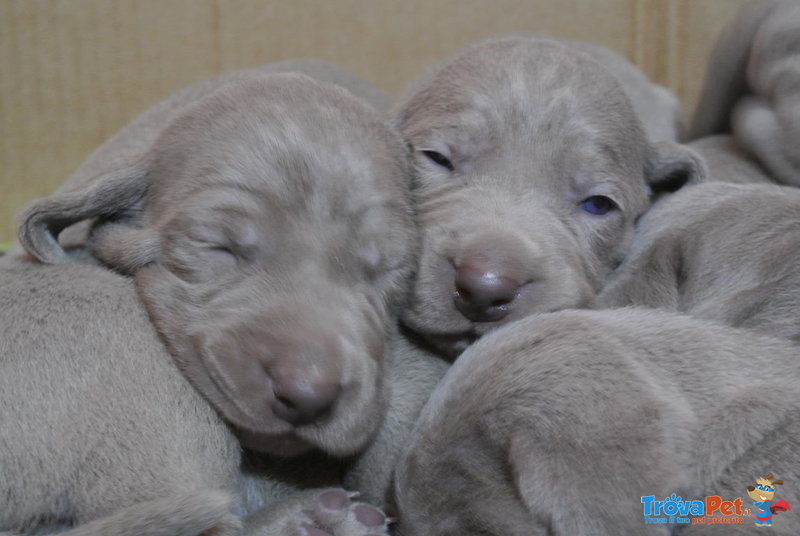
(109, 196)
(671, 166)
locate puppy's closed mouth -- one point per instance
(268, 434)
(238, 411)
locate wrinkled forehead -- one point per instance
(514, 86)
(282, 142)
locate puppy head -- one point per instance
(531, 169)
(270, 233)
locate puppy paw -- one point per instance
(328, 512)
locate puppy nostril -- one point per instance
(301, 402)
(464, 293)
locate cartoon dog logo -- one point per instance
(762, 495)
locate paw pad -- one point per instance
(369, 515)
(334, 514)
(334, 500)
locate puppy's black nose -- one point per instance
(484, 295)
(299, 401)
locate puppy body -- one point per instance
(724, 252)
(560, 423)
(268, 230)
(96, 417)
(527, 189)
(752, 86)
(727, 161)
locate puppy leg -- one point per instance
(583, 461)
(318, 512)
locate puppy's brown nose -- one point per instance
(299, 400)
(306, 379)
(490, 274)
(484, 295)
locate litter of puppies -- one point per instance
(516, 301)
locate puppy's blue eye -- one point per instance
(598, 205)
(439, 159)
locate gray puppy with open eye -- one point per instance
(266, 221)
(752, 86)
(558, 424)
(532, 167)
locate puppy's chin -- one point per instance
(453, 344)
(449, 345)
(451, 333)
(279, 445)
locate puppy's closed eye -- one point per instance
(222, 254)
(203, 255)
(221, 244)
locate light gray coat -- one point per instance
(559, 423)
(527, 189)
(752, 86)
(724, 252)
(265, 219)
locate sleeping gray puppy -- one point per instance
(268, 229)
(126, 147)
(532, 167)
(560, 423)
(752, 86)
(725, 252)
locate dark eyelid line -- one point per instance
(439, 159)
(240, 251)
(224, 232)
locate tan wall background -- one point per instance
(72, 72)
